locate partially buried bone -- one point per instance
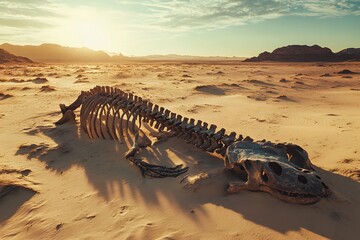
(67, 116)
(283, 170)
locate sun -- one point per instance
(89, 34)
(86, 28)
(91, 28)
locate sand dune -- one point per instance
(67, 186)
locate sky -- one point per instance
(187, 27)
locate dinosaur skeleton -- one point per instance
(283, 170)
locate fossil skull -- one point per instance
(283, 170)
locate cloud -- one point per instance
(23, 23)
(172, 15)
(327, 8)
(131, 22)
(27, 13)
(184, 15)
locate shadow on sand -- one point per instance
(12, 197)
(105, 165)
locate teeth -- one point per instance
(299, 195)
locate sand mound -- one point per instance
(121, 75)
(220, 89)
(15, 190)
(81, 81)
(4, 96)
(283, 80)
(346, 71)
(186, 76)
(165, 75)
(47, 88)
(39, 80)
(285, 98)
(258, 82)
(8, 189)
(210, 89)
(257, 97)
(11, 198)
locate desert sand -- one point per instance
(67, 186)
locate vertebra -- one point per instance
(104, 110)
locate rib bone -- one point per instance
(110, 108)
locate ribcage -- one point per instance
(107, 112)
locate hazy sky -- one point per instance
(196, 27)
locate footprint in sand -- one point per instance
(82, 216)
(59, 226)
(196, 108)
(122, 210)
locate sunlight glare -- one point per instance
(88, 30)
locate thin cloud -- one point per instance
(27, 13)
(183, 15)
(176, 15)
(20, 23)
(36, 21)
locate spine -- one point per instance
(104, 110)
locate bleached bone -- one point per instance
(283, 170)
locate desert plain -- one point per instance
(80, 188)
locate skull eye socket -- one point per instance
(302, 179)
(264, 176)
(240, 172)
(247, 164)
(276, 168)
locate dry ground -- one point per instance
(66, 186)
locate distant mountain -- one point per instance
(304, 53)
(59, 54)
(6, 57)
(56, 53)
(349, 54)
(175, 57)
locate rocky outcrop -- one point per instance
(304, 53)
(349, 54)
(6, 57)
